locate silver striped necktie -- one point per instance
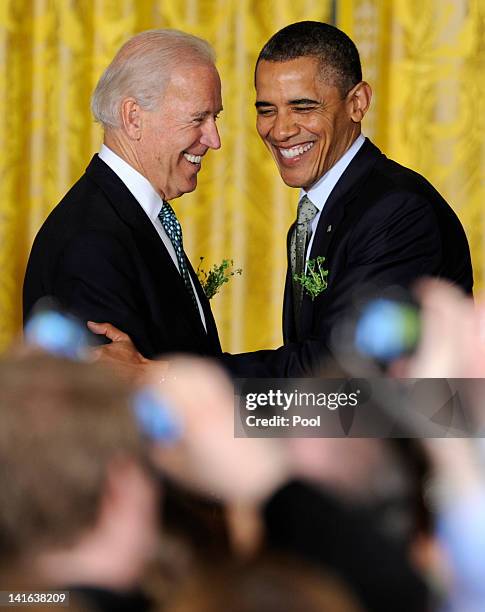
(299, 241)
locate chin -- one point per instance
(189, 189)
(190, 185)
(292, 181)
(180, 191)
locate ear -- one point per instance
(358, 100)
(131, 118)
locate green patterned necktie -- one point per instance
(299, 241)
(171, 225)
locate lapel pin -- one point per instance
(329, 229)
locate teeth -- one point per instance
(295, 151)
(195, 159)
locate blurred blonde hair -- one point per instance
(62, 424)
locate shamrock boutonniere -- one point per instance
(213, 280)
(314, 280)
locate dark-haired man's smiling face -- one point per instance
(302, 118)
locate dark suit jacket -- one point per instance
(382, 224)
(100, 257)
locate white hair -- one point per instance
(142, 68)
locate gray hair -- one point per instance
(142, 68)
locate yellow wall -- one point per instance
(426, 61)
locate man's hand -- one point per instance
(122, 356)
(452, 334)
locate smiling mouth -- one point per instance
(296, 151)
(193, 159)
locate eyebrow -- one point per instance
(303, 101)
(297, 102)
(203, 114)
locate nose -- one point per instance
(284, 126)
(210, 135)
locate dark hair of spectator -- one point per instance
(268, 584)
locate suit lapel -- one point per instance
(334, 214)
(148, 241)
(210, 323)
(289, 327)
(347, 187)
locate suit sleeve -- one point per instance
(96, 280)
(396, 242)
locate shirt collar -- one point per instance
(138, 185)
(319, 192)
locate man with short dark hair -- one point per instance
(376, 223)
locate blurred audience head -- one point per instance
(264, 585)
(74, 472)
(383, 476)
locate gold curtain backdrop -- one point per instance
(424, 59)
(426, 62)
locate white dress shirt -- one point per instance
(318, 194)
(146, 196)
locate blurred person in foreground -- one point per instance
(304, 493)
(458, 353)
(68, 432)
(264, 585)
(79, 505)
(457, 489)
(274, 502)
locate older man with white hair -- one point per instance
(112, 250)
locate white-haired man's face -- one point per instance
(175, 136)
